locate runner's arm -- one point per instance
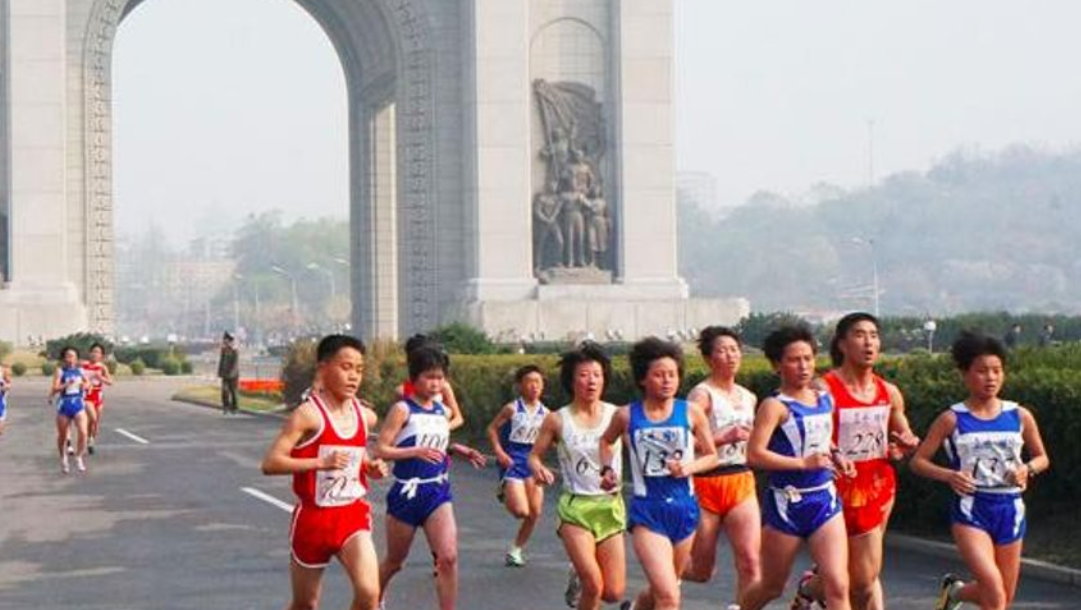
(302, 423)
(900, 431)
(772, 413)
(1038, 460)
(501, 417)
(549, 431)
(392, 425)
(457, 420)
(922, 461)
(615, 430)
(708, 457)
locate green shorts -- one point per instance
(603, 516)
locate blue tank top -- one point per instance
(71, 384)
(3, 393)
(807, 431)
(518, 434)
(423, 428)
(988, 449)
(653, 444)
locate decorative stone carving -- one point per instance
(571, 218)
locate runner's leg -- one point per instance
(362, 567)
(306, 584)
(442, 534)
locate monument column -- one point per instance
(645, 148)
(497, 132)
(41, 294)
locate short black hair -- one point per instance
(709, 336)
(778, 340)
(97, 345)
(522, 371)
(64, 351)
(420, 340)
(844, 325)
(649, 350)
(330, 345)
(970, 345)
(426, 358)
(586, 352)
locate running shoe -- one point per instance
(803, 599)
(951, 584)
(79, 465)
(64, 468)
(90, 446)
(574, 590)
(627, 604)
(71, 450)
(733, 607)
(515, 557)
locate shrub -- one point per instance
(111, 364)
(48, 368)
(170, 366)
(186, 367)
(138, 367)
(151, 355)
(460, 338)
(18, 369)
(298, 370)
(80, 341)
(5, 349)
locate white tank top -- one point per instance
(723, 414)
(579, 453)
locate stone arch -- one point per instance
(386, 51)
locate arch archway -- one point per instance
(386, 54)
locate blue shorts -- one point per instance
(1002, 516)
(69, 407)
(415, 508)
(3, 408)
(673, 518)
(519, 470)
(799, 517)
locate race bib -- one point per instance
(990, 456)
(817, 433)
(340, 487)
(431, 430)
(524, 428)
(73, 387)
(656, 446)
(864, 432)
(733, 453)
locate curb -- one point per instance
(217, 407)
(1032, 568)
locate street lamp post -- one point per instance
(293, 286)
(236, 302)
(330, 276)
(870, 243)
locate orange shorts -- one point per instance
(317, 534)
(868, 497)
(721, 493)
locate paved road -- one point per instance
(165, 524)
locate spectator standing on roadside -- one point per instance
(1013, 336)
(1047, 335)
(229, 372)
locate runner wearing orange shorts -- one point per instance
(870, 428)
(727, 493)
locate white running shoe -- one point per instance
(79, 465)
(574, 589)
(71, 450)
(64, 468)
(515, 557)
(950, 586)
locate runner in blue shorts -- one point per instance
(792, 441)
(5, 386)
(512, 433)
(984, 438)
(69, 386)
(416, 437)
(661, 433)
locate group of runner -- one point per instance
(825, 445)
(77, 392)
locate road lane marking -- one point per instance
(134, 437)
(269, 499)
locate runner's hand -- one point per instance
(906, 441)
(733, 434)
(543, 476)
(505, 461)
(817, 461)
(677, 469)
(1019, 476)
(476, 458)
(335, 460)
(429, 454)
(962, 482)
(377, 469)
(609, 480)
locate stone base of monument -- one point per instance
(575, 275)
(573, 313)
(32, 310)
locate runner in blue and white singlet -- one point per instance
(517, 436)
(662, 503)
(69, 387)
(420, 486)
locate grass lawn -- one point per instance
(210, 395)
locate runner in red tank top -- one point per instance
(323, 445)
(870, 428)
(98, 375)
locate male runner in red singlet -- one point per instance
(323, 445)
(98, 375)
(870, 428)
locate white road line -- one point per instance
(269, 499)
(134, 437)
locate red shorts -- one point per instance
(721, 493)
(94, 399)
(317, 534)
(868, 497)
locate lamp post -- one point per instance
(236, 302)
(330, 276)
(293, 286)
(870, 243)
(929, 327)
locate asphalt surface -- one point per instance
(162, 520)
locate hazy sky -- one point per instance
(246, 111)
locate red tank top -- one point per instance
(860, 428)
(93, 372)
(332, 488)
